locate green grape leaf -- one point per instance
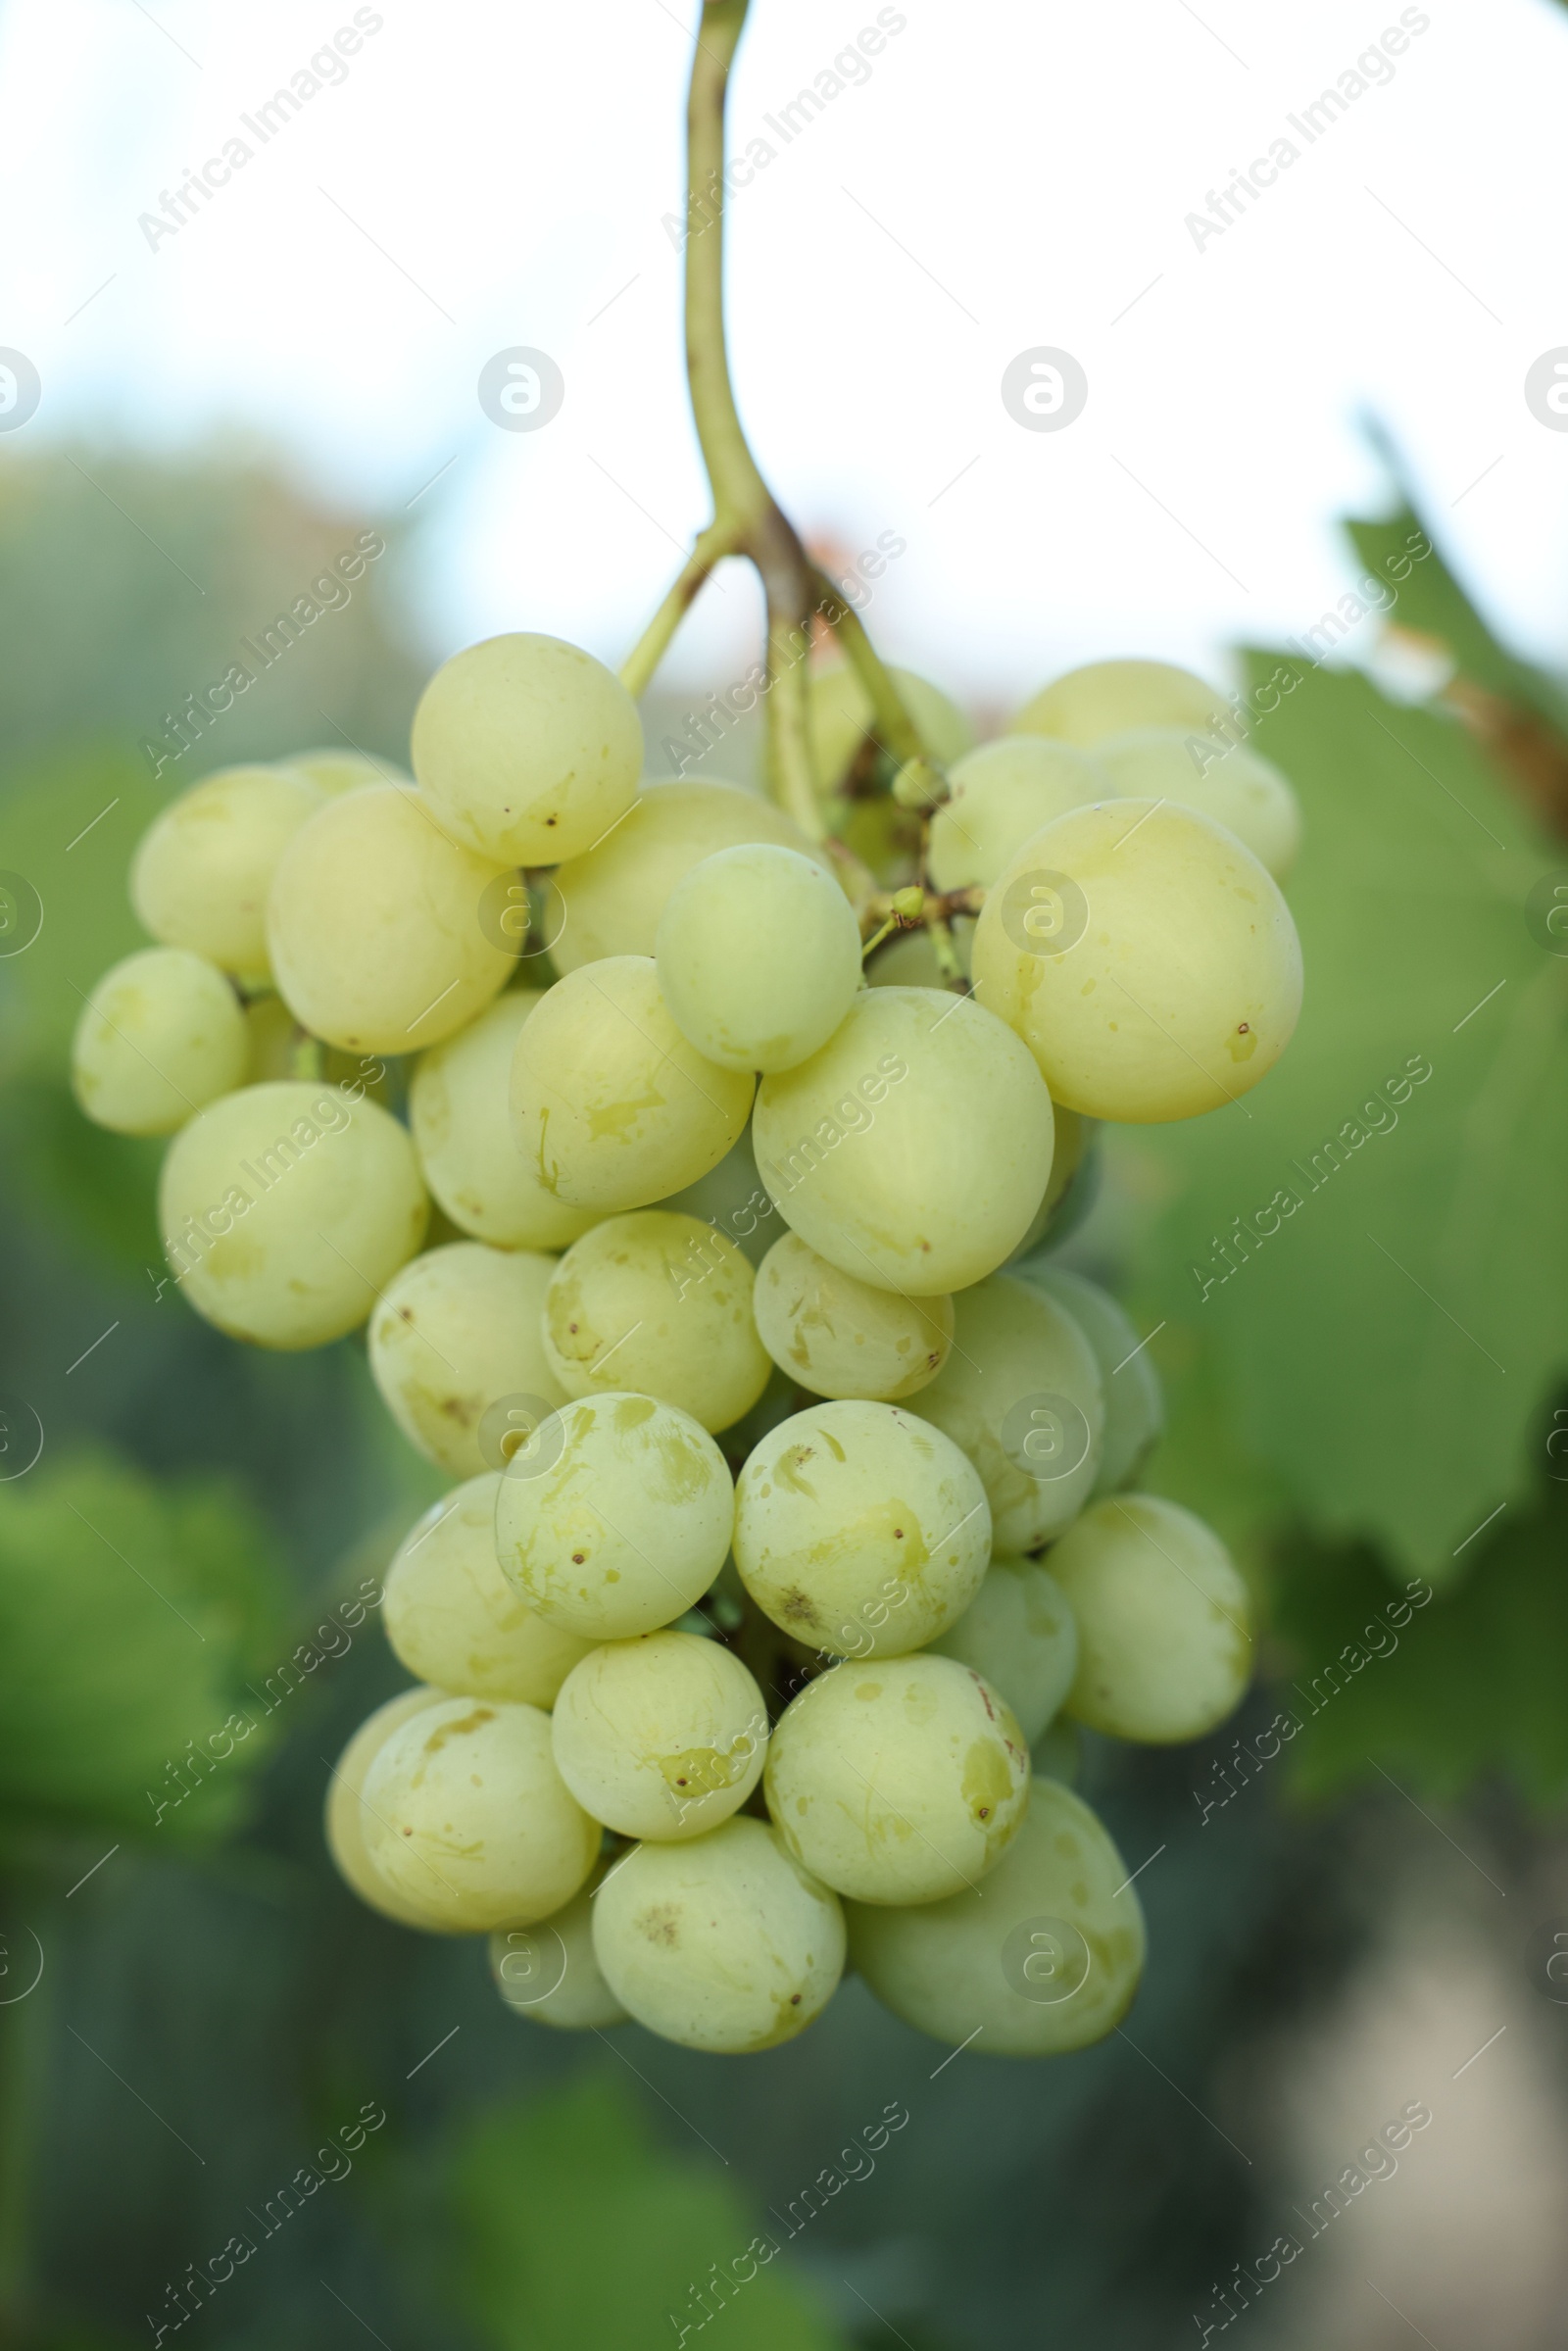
(133, 1616)
(573, 2227)
(1364, 1261)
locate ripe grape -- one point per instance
(287, 1209)
(913, 1148)
(161, 1035)
(897, 1778)
(662, 1737)
(202, 872)
(462, 1133)
(453, 1619)
(456, 1331)
(1108, 698)
(532, 748)
(372, 924)
(1003, 793)
(548, 1973)
(333, 771)
(860, 1529)
(758, 957)
(616, 1517)
(344, 1819)
(1164, 1638)
(840, 717)
(1135, 1408)
(722, 1944)
(661, 1305)
(1234, 785)
(839, 1337)
(1018, 1634)
(1145, 958)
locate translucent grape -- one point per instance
(610, 1105)
(758, 957)
(1227, 781)
(161, 1035)
(1043, 1958)
(840, 717)
(662, 1737)
(1145, 956)
(1164, 1620)
(913, 1148)
(287, 1209)
(1108, 698)
(840, 1337)
(721, 1944)
(1018, 1634)
(456, 1334)
(458, 1110)
(1001, 793)
(454, 1620)
(1135, 1408)
(201, 874)
(531, 746)
(344, 1821)
(660, 1305)
(897, 1778)
(548, 1973)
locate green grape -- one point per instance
(610, 1107)
(454, 1620)
(372, 924)
(616, 1516)
(1074, 1136)
(467, 1819)
(913, 1150)
(202, 872)
(860, 1529)
(456, 1334)
(287, 1209)
(733, 1196)
(1145, 956)
(608, 902)
(1059, 1752)
(548, 1973)
(334, 772)
(758, 957)
(462, 1133)
(1003, 793)
(1020, 1394)
(1235, 786)
(1042, 1959)
(841, 1338)
(1135, 1408)
(161, 1035)
(840, 717)
(897, 1778)
(662, 1737)
(1018, 1634)
(1164, 1620)
(660, 1304)
(344, 1818)
(530, 746)
(272, 1035)
(723, 1943)
(1106, 698)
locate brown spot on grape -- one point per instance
(577, 1558)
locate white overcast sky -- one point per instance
(494, 172)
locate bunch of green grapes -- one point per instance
(794, 1524)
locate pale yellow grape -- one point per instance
(1074, 1136)
(1234, 785)
(723, 1943)
(161, 1035)
(1018, 1634)
(1001, 793)
(1135, 1407)
(372, 925)
(1178, 979)
(273, 1033)
(468, 1821)
(456, 1331)
(860, 1529)
(733, 1196)
(839, 1337)
(462, 1125)
(203, 868)
(1164, 1620)
(1042, 1959)
(344, 1821)
(287, 1209)
(1108, 698)
(913, 1148)
(453, 1619)
(840, 717)
(1021, 1394)
(618, 1519)
(610, 1105)
(662, 1737)
(897, 1778)
(661, 1305)
(334, 772)
(758, 957)
(608, 902)
(548, 1973)
(531, 746)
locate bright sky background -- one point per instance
(1009, 176)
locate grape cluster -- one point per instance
(793, 1526)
